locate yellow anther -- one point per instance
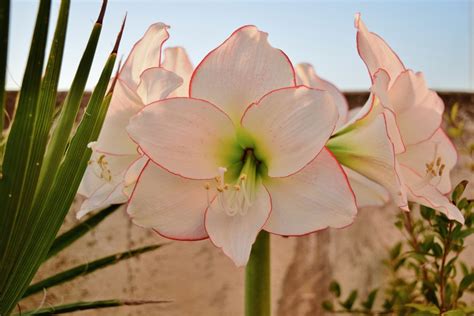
(207, 186)
(441, 169)
(218, 179)
(220, 189)
(243, 177)
(226, 186)
(438, 161)
(237, 187)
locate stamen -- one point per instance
(103, 172)
(441, 169)
(433, 169)
(236, 198)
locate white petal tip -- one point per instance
(356, 20)
(82, 213)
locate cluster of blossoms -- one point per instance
(246, 142)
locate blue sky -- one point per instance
(435, 37)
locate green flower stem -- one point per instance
(257, 278)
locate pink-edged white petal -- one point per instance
(113, 137)
(133, 173)
(353, 112)
(290, 127)
(317, 197)
(156, 84)
(374, 104)
(177, 60)
(367, 192)
(305, 75)
(102, 184)
(185, 136)
(145, 54)
(240, 71)
(413, 103)
(381, 103)
(394, 131)
(171, 205)
(375, 52)
(236, 234)
(438, 150)
(366, 148)
(105, 196)
(422, 192)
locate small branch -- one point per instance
(414, 241)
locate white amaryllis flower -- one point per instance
(116, 162)
(245, 152)
(413, 114)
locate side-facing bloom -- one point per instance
(369, 141)
(116, 161)
(244, 152)
(424, 155)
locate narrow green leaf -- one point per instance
(395, 251)
(468, 310)
(463, 203)
(66, 239)
(86, 269)
(327, 306)
(54, 207)
(82, 306)
(47, 101)
(62, 192)
(4, 27)
(424, 308)
(335, 288)
(437, 250)
(427, 212)
(466, 282)
(60, 137)
(349, 302)
(17, 185)
(459, 190)
(369, 303)
(455, 312)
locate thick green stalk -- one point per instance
(257, 278)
